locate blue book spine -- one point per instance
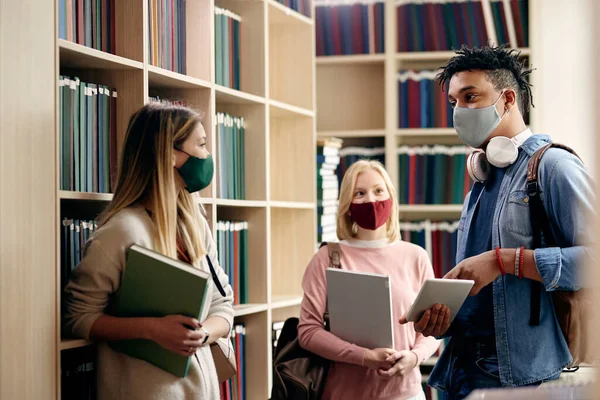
(62, 16)
(423, 98)
(329, 31)
(365, 25)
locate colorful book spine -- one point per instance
(349, 155)
(301, 6)
(87, 138)
(232, 242)
(227, 48)
(167, 29)
(349, 27)
(231, 142)
(432, 174)
(421, 101)
(328, 183)
(235, 388)
(89, 23)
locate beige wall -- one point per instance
(28, 335)
(561, 40)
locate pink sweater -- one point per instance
(408, 266)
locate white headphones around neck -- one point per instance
(500, 152)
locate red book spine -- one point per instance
(319, 31)
(412, 174)
(335, 27)
(80, 27)
(357, 29)
(518, 22)
(480, 22)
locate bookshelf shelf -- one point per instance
(293, 204)
(426, 132)
(359, 133)
(281, 109)
(240, 203)
(248, 309)
(74, 55)
(228, 95)
(430, 208)
(65, 194)
(67, 344)
(279, 13)
(351, 59)
(278, 302)
(163, 78)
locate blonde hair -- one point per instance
(146, 175)
(344, 221)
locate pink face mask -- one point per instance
(371, 215)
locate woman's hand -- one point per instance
(176, 333)
(404, 362)
(378, 358)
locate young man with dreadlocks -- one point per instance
(493, 342)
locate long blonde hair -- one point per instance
(146, 174)
(344, 221)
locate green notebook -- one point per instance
(154, 285)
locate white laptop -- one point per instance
(360, 308)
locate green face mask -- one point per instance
(197, 173)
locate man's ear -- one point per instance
(510, 97)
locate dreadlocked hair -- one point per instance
(501, 65)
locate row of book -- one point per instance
(78, 374)
(227, 48)
(519, 11)
(167, 44)
(230, 134)
(328, 160)
(158, 99)
(349, 155)
(302, 6)
(232, 245)
(438, 238)
(88, 143)
(235, 388)
(433, 174)
(74, 234)
(89, 23)
(344, 28)
(421, 101)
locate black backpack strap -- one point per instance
(215, 277)
(539, 222)
(335, 256)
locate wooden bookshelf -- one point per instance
(276, 101)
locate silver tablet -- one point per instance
(449, 292)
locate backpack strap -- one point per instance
(540, 224)
(335, 256)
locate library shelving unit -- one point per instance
(358, 99)
(276, 100)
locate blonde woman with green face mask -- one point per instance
(164, 160)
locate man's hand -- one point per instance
(483, 269)
(434, 322)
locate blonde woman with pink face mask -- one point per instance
(367, 227)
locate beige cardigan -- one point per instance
(98, 277)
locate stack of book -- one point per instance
(232, 243)
(167, 44)
(74, 234)
(302, 6)
(349, 155)
(88, 23)
(349, 27)
(328, 160)
(157, 99)
(230, 136)
(421, 101)
(519, 11)
(235, 388)
(227, 48)
(438, 238)
(88, 143)
(433, 174)
(78, 374)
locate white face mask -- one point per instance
(475, 125)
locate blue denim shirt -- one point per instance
(529, 354)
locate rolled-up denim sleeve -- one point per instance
(569, 198)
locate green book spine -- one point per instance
(95, 138)
(89, 140)
(76, 136)
(243, 159)
(66, 136)
(226, 44)
(61, 138)
(230, 152)
(236, 160)
(106, 139)
(99, 24)
(82, 136)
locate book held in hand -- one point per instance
(154, 285)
